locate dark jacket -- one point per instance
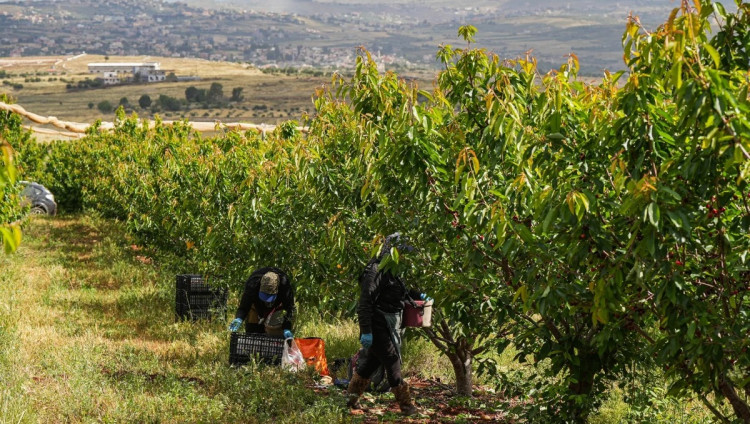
(284, 299)
(380, 290)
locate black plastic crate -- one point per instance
(195, 299)
(193, 283)
(244, 346)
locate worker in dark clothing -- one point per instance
(267, 304)
(382, 297)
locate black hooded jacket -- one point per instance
(284, 299)
(380, 290)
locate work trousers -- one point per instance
(384, 351)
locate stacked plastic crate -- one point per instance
(196, 299)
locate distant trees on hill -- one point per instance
(169, 103)
(195, 95)
(86, 83)
(237, 94)
(144, 101)
(15, 86)
(213, 96)
(104, 106)
(216, 93)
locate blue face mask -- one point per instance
(267, 298)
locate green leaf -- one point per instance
(467, 32)
(714, 55)
(677, 74)
(654, 215)
(394, 254)
(524, 232)
(551, 215)
(11, 238)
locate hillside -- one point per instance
(267, 98)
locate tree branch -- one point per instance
(714, 411)
(436, 341)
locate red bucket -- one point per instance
(419, 316)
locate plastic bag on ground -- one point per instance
(291, 357)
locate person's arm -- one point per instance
(368, 285)
(249, 296)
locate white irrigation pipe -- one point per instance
(77, 129)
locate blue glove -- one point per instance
(288, 334)
(366, 340)
(235, 325)
(424, 297)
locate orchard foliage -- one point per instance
(593, 226)
(10, 231)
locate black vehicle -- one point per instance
(41, 200)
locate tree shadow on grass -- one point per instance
(108, 284)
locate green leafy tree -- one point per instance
(237, 94)
(215, 93)
(169, 103)
(144, 101)
(684, 169)
(104, 106)
(10, 131)
(191, 94)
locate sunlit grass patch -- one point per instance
(88, 333)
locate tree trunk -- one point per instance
(459, 352)
(461, 360)
(740, 407)
(584, 374)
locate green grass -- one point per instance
(87, 333)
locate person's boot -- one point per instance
(357, 386)
(403, 397)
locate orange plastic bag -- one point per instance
(314, 351)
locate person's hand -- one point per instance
(235, 325)
(424, 297)
(366, 340)
(288, 334)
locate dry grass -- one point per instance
(268, 99)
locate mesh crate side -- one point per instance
(266, 349)
(192, 283)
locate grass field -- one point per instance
(87, 333)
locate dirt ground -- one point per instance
(436, 402)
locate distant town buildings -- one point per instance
(175, 29)
(116, 72)
(110, 78)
